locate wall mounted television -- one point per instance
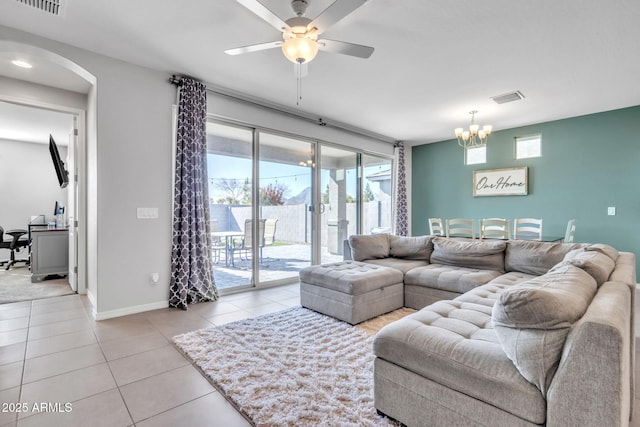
(58, 164)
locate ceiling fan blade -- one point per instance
(253, 48)
(345, 48)
(335, 12)
(259, 9)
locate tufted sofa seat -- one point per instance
(459, 332)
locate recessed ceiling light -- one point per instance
(21, 64)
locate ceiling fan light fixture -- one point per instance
(300, 49)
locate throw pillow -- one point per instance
(369, 247)
(597, 264)
(418, 247)
(533, 318)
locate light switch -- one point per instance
(147, 213)
(611, 210)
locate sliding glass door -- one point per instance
(279, 203)
(285, 194)
(377, 194)
(339, 201)
(230, 168)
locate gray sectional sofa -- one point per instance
(508, 333)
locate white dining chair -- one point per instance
(461, 227)
(571, 231)
(436, 227)
(527, 228)
(495, 228)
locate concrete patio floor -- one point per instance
(278, 262)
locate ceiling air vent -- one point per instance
(508, 97)
(53, 7)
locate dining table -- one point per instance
(228, 238)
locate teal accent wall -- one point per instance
(588, 163)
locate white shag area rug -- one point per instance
(295, 367)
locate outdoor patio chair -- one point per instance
(269, 233)
(245, 243)
(218, 245)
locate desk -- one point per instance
(49, 252)
(228, 236)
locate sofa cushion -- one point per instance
(403, 265)
(609, 251)
(489, 293)
(482, 254)
(418, 247)
(449, 277)
(453, 344)
(365, 247)
(533, 318)
(350, 277)
(534, 257)
(597, 264)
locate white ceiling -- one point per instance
(434, 60)
(29, 124)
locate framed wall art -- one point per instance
(501, 182)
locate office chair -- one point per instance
(14, 244)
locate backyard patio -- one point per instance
(278, 262)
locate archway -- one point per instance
(42, 88)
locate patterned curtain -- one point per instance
(402, 218)
(191, 272)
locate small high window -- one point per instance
(528, 146)
(475, 155)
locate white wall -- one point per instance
(229, 108)
(130, 166)
(29, 183)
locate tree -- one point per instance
(368, 195)
(272, 195)
(234, 192)
(246, 192)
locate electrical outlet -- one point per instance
(155, 277)
(611, 210)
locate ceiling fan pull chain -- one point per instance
(299, 83)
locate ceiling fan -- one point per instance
(300, 43)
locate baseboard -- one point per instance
(104, 315)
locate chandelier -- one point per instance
(474, 137)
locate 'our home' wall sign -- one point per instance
(500, 182)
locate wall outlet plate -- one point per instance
(611, 210)
(147, 213)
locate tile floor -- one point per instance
(123, 371)
(117, 372)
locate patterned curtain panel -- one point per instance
(191, 273)
(402, 218)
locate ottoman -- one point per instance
(351, 291)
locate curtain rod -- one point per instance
(319, 121)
